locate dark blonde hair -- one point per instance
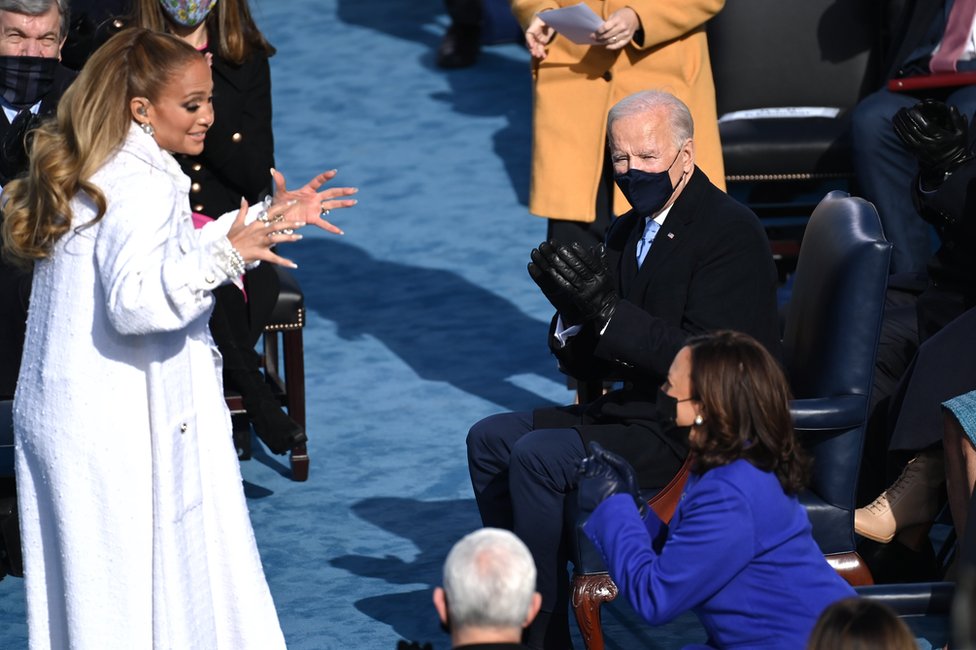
(860, 624)
(745, 406)
(92, 122)
(231, 30)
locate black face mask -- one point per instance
(25, 80)
(667, 408)
(647, 192)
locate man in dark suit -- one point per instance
(686, 260)
(885, 168)
(32, 82)
(489, 594)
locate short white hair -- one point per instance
(489, 580)
(679, 117)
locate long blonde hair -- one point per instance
(93, 119)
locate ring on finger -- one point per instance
(325, 212)
(613, 39)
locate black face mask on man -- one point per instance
(647, 192)
(25, 80)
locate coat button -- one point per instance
(117, 24)
(183, 427)
(195, 187)
(197, 167)
(198, 208)
(607, 76)
(237, 137)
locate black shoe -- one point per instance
(460, 47)
(276, 429)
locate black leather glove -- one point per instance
(13, 146)
(937, 135)
(603, 474)
(541, 272)
(585, 276)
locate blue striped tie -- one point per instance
(644, 245)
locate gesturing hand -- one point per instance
(313, 205)
(254, 241)
(936, 134)
(603, 474)
(541, 272)
(537, 35)
(584, 275)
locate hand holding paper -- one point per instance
(577, 23)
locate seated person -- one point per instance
(489, 595)
(919, 31)
(739, 550)
(912, 424)
(860, 624)
(623, 312)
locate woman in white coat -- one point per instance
(135, 529)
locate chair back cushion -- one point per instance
(770, 54)
(833, 325)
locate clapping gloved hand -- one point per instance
(578, 277)
(603, 474)
(937, 135)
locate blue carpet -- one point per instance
(421, 321)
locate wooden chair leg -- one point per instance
(294, 361)
(851, 568)
(589, 594)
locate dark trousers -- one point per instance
(521, 477)
(886, 171)
(465, 13)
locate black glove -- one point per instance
(562, 299)
(585, 276)
(13, 146)
(937, 135)
(603, 474)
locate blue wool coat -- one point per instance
(738, 552)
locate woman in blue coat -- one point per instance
(739, 550)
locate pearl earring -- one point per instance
(699, 420)
(147, 128)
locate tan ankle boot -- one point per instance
(912, 499)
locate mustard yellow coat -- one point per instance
(575, 86)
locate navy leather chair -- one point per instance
(285, 373)
(772, 60)
(830, 341)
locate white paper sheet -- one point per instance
(576, 23)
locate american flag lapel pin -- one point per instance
(670, 235)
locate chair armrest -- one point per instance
(912, 599)
(289, 309)
(828, 413)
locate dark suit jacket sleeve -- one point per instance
(721, 293)
(710, 545)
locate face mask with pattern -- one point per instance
(188, 13)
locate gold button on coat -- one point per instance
(237, 137)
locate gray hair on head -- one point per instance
(489, 580)
(679, 117)
(37, 8)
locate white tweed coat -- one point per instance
(135, 529)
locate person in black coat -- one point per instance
(709, 267)
(883, 166)
(32, 85)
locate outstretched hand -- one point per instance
(603, 474)
(312, 204)
(537, 35)
(254, 241)
(936, 134)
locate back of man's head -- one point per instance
(489, 581)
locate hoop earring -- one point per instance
(147, 128)
(699, 420)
